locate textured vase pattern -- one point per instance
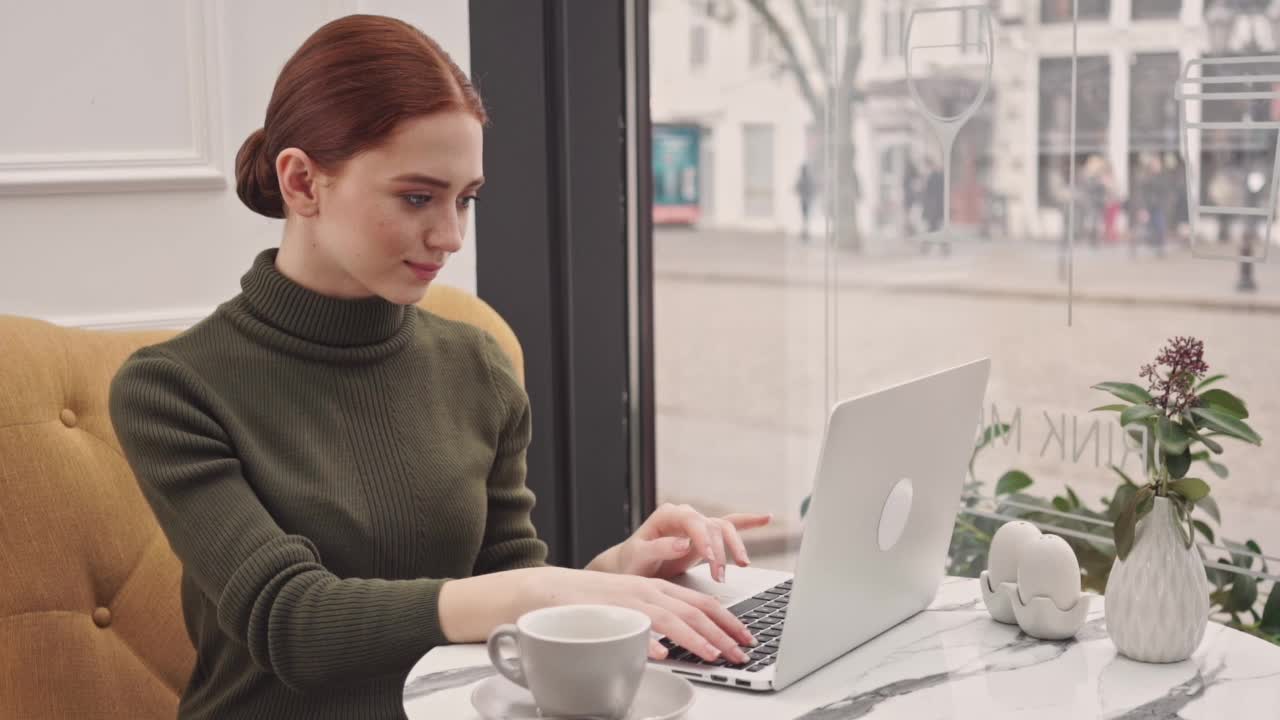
(1158, 599)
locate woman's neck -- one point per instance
(302, 260)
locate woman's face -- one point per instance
(390, 219)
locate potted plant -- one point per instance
(1157, 594)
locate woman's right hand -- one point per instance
(691, 619)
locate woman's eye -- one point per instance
(467, 202)
(417, 200)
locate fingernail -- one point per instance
(713, 651)
(711, 554)
(682, 544)
(754, 642)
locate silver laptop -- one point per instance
(875, 539)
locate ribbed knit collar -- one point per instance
(308, 315)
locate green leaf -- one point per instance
(1146, 504)
(1192, 489)
(1180, 517)
(1135, 414)
(991, 433)
(1224, 402)
(1254, 547)
(1226, 425)
(1210, 380)
(1124, 496)
(1270, 622)
(1172, 436)
(1204, 529)
(1061, 504)
(1179, 464)
(1012, 482)
(804, 505)
(1110, 408)
(1127, 523)
(1075, 499)
(1244, 593)
(1126, 391)
(1238, 559)
(1210, 506)
(1209, 442)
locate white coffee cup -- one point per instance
(576, 660)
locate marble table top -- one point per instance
(954, 661)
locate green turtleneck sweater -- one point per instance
(321, 467)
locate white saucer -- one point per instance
(662, 696)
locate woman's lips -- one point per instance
(427, 271)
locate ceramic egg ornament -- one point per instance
(1007, 546)
(1048, 567)
(1046, 600)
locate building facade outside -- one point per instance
(716, 66)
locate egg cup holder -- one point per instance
(997, 600)
(1041, 618)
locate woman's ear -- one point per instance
(299, 178)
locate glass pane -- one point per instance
(963, 220)
(1072, 260)
(741, 192)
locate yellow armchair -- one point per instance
(90, 613)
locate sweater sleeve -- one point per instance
(273, 595)
(510, 540)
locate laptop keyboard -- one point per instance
(765, 616)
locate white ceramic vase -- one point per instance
(1158, 599)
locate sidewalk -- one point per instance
(743, 358)
(1000, 268)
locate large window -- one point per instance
(1156, 174)
(849, 253)
(1093, 117)
(697, 46)
(1054, 11)
(1156, 9)
(757, 175)
(757, 43)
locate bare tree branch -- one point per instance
(816, 45)
(847, 92)
(793, 60)
(853, 44)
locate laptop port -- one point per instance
(742, 683)
(719, 678)
(686, 672)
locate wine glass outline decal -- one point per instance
(947, 128)
(1195, 210)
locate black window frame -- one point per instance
(552, 253)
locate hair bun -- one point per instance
(256, 181)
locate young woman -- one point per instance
(341, 473)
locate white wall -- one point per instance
(118, 132)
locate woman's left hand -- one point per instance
(677, 537)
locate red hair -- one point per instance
(343, 92)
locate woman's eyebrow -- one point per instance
(421, 179)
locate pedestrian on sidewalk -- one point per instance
(933, 200)
(804, 191)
